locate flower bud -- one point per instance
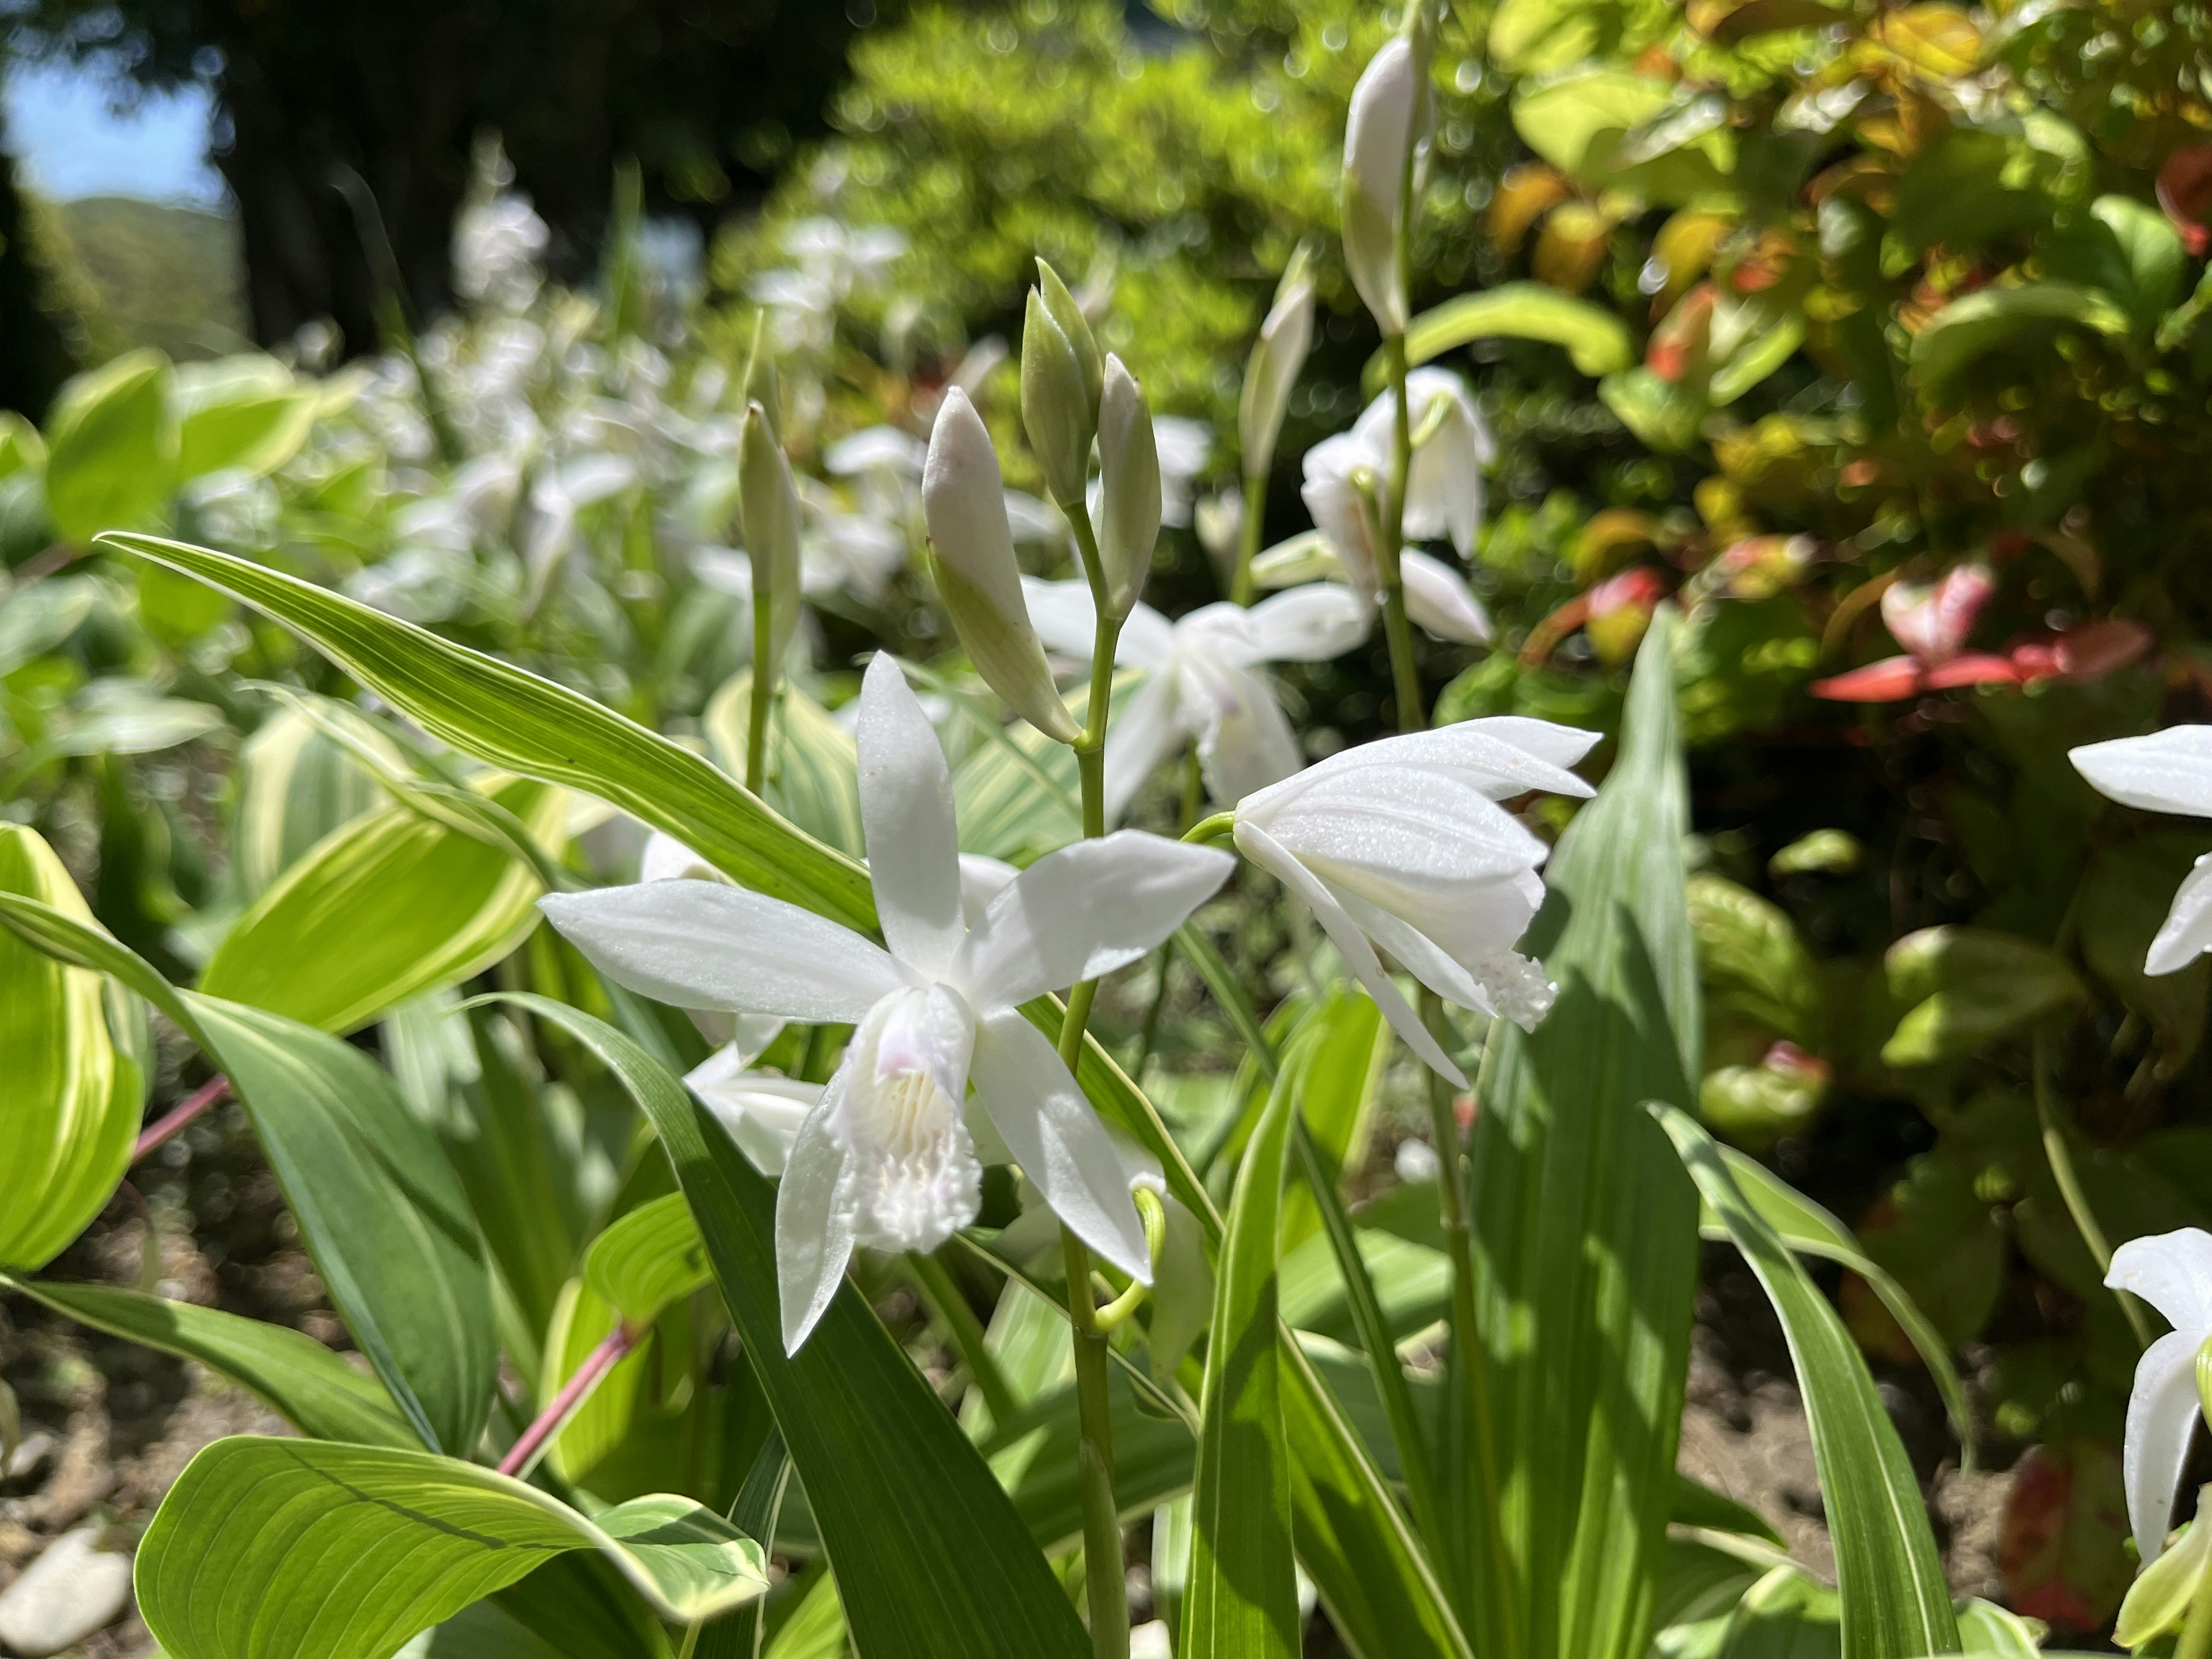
(1065, 309)
(1389, 112)
(1129, 488)
(762, 387)
(972, 553)
(1279, 353)
(769, 503)
(1060, 411)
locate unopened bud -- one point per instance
(1279, 353)
(769, 503)
(1129, 488)
(972, 552)
(762, 387)
(1389, 112)
(1059, 409)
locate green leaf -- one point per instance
(1597, 342)
(1586, 1233)
(521, 723)
(112, 448)
(379, 1209)
(269, 1549)
(1577, 121)
(1811, 1230)
(647, 1259)
(1340, 1075)
(1969, 329)
(932, 1557)
(813, 764)
(37, 618)
(312, 1387)
(242, 414)
(1241, 1599)
(1888, 1574)
(86, 944)
(1662, 414)
(297, 783)
(73, 1098)
(1750, 958)
(1961, 986)
(385, 908)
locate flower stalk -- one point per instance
(522, 1456)
(194, 1106)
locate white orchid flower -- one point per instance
(1401, 843)
(497, 248)
(2172, 1272)
(1443, 485)
(886, 1159)
(763, 1113)
(885, 464)
(1202, 684)
(1437, 598)
(2168, 771)
(1185, 446)
(843, 552)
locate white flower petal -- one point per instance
(762, 1114)
(667, 858)
(813, 1236)
(1149, 729)
(2168, 771)
(911, 1177)
(1246, 742)
(2161, 1420)
(2172, 1272)
(1058, 1139)
(1064, 614)
(2186, 933)
(700, 944)
(1083, 911)
(983, 879)
(1501, 982)
(906, 809)
(1413, 828)
(1358, 954)
(1318, 622)
(1439, 599)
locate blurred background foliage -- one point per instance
(1871, 334)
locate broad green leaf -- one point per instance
(760, 1502)
(37, 618)
(69, 1105)
(1663, 415)
(1586, 1234)
(1152, 1459)
(1241, 1601)
(379, 1209)
(112, 448)
(932, 1557)
(647, 1259)
(1969, 328)
(813, 765)
(84, 942)
(1339, 1078)
(385, 908)
(297, 783)
(1596, 341)
(269, 1549)
(321, 1395)
(1962, 986)
(521, 723)
(1352, 1538)
(1984, 1628)
(1889, 1574)
(1532, 36)
(1810, 1230)
(582, 1320)
(1787, 1614)
(241, 414)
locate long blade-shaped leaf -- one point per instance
(1586, 1234)
(322, 1395)
(1895, 1603)
(1241, 1599)
(270, 1549)
(379, 1209)
(516, 720)
(930, 1556)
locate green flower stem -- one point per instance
(1404, 672)
(1254, 518)
(2061, 1154)
(1219, 827)
(944, 1295)
(763, 688)
(1106, 1587)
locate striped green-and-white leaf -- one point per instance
(272, 1548)
(385, 908)
(70, 1098)
(813, 764)
(1240, 1600)
(524, 724)
(1894, 1602)
(1586, 1234)
(296, 784)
